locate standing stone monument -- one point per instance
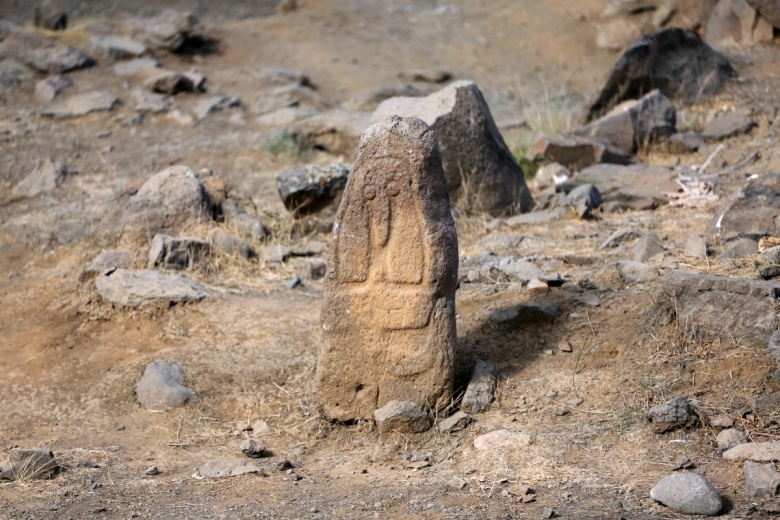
(388, 318)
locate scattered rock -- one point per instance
(176, 252)
(548, 512)
(728, 125)
(149, 102)
(46, 176)
(768, 272)
(519, 270)
(729, 438)
(457, 483)
(585, 198)
(26, 464)
(116, 47)
(524, 313)
(734, 22)
(739, 249)
(636, 272)
(214, 104)
(616, 34)
(108, 260)
(126, 288)
(674, 60)
(696, 246)
(751, 209)
(756, 451)
(427, 75)
(396, 194)
(576, 152)
(589, 299)
(620, 236)
(51, 87)
(761, 479)
(774, 352)
(253, 448)
(49, 16)
(721, 421)
(172, 202)
(287, 96)
(502, 439)
(261, 427)
(228, 244)
(161, 388)
(402, 417)
(135, 67)
(172, 31)
(537, 286)
(275, 254)
(336, 131)
(647, 247)
(550, 175)
(164, 81)
(479, 393)
(318, 268)
(311, 189)
(36, 51)
(455, 422)
(477, 162)
(372, 98)
(293, 282)
(684, 142)
(152, 471)
(283, 76)
(242, 222)
(688, 493)
(228, 468)
(82, 104)
(640, 186)
(673, 414)
(634, 123)
(769, 9)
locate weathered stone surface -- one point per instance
(727, 125)
(171, 30)
(671, 415)
(116, 47)
(228, 468)
(674, 60)
(647, 247)
(634, 123)
(312, 189)
(524, 313)
(688, 493)
(336, 131)
(127, 288)
(214, 104)
(761, 479)
(176, 252)
(701, 302)
(242, 222)
(769, 9)
(25, 464)
(136, 66)
(576, 153)
(774, 350)
(164, 81)
(478, 166)
(388, 317)
(253, 448)
(82, 104)
(172, 202)
(51, 87)
(641, 186)
(372, 98)
(696, 246)
(479, 392)
(229, 244)
(550, 174)
(729, 438)
(752, 209)
(502, 439)
(286, 97)
(108, 260)
(402, 417)
(735, 22)
(637, 272)
(455, 422)
(585, 198)
(757, 451)
(683, 142)
(36, 51)
(48, 15)
(47, 175)
(427, 75)
(620, 236)
(161, 388)
(739, 248)
(283, 76)
(150, 102)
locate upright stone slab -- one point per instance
(388, 318)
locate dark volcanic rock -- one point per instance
(673, 414)
(727, 125)
(752, 209)
(38, 52)
(310, 189)
(49, 16)
(161, 388)
(675, 61)
(576, 153)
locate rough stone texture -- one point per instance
(36, 51)
(674, 60)
(735, 22)
(402, 417)
(283, 76)
(637, 272)
(696, 246)
(761, 479)
(287, 96)
(336, 131)
(51, 87)
(161, 388)
(49, 16)
(228, 468)
(684, 142)
(688, 493)
(164, 81)
(701, 300)
(372, 98)
(635, 123)
(671, 415)
(478, 165)
(774, 351)
(502, 439)
(275, 254)
(229, 244)
(171, 202)
(171, 30)
(242, 222)
(126, 288)
(576, 153)
(727, 125)
(253, 448)
(215, 104)
(757, 451)
(133, 67)
(479, 392)
(47, 175)
(640, 186)
(729, 438)
(388, 316)
(176, 252)
(739, 248)
(752, 209)
(585, 198)
(108, 260)
(455, 422)
(769, 9)
(116, 47)
(524, 313)
(82, 104)
(25, 464)
(647, 247)
(312, 189)
(550, 174)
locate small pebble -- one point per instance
(152, 471)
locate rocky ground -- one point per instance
(592, 313)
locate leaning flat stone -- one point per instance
(47, 175)
(688, 493)
(402, 417)
(479, 393)
(502, 439)
(25, 464)
(647, 247)
(637, 272)
(388, 316)
(161, 388)
(228, 468)
(82, 104)
(126, 288)
(577, 152)
(757, 451)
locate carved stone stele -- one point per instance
(388, 317)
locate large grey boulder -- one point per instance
(688, 493)
(82, 104)
(127, 288)
(161, 388)
(478, 166)
(172, 202)
(402, 417)
(310, 189)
